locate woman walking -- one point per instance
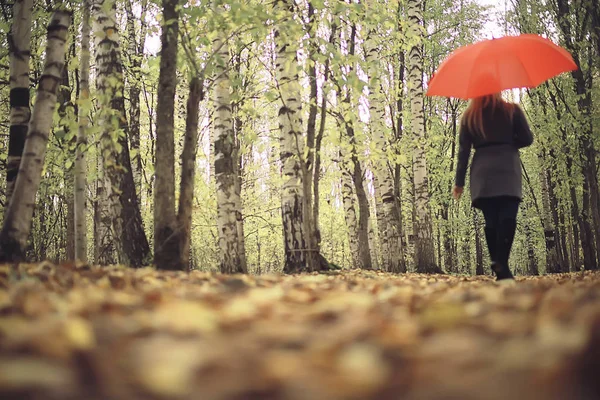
(497, 130)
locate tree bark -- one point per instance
(188, 169)
(239, 161)
(103, 242)
(553, 262)
(136, 54)
(66, 114)
(80, 171)
(19, 40)
(17, 221)
(225, 161)
(319, 140)
(391, 231)
(239, 176)
(129, 237)
(424, 246)
(349, 210)
(356, 170)
(166, 242)
(109, 86)
(293, 207)
(590, 220)
(379, 238)
(532, 266)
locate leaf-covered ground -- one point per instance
(71, 332)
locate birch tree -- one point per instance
(423, 231)
(80, 159)
(17, 221)
(130, 240)
(135, 52)
(19, 47)
(344, 115)
(392, 252)
(349, 209)
(227, 196)
(291, 148)
(106, 35)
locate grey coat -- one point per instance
(496, 166)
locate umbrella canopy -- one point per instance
(491, 66)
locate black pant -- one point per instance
(500, 215)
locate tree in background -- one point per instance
(166, 241)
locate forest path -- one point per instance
(99, 333)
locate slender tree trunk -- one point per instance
(239, 161)
(319, 140)
(357, 170)
(382, 223)
(590, 220)
(311, 131)
(166, 242)
(393, 253)
(424, 247)
(532, 266)
(80, 159)
(188, 169)
(17, 222)
(103, 243)
(349, 209)
(136, 54)
(19, 40)
(66, 115)
(449, 254)
(225, 162)
(239, 174)
(238, 181)
(398, 132)
(363, 207)
(553, 264)
(466, 250)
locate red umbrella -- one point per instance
(491, 66)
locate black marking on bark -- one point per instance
(19, 97)
(17, 137)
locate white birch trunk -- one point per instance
(227, 197)
(17, 222)
(109, 83)
(391, 231)
(291, 150)
(20, 113)
(381, 228)
(80, 161)
(423, 231)
(350, 211)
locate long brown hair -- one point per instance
(473, 115)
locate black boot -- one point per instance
(506, 235)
